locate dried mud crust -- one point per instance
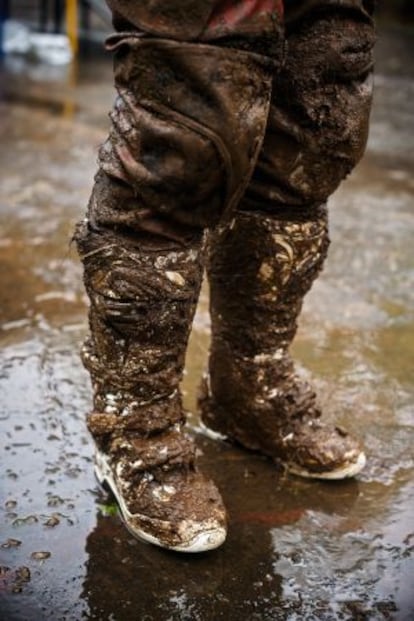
(163, 498)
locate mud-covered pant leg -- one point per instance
(317, 126)
(321, 101)
(186, 130)
(262, 264)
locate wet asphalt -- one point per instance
(296, 549)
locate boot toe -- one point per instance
(319, 451)
(348, 469)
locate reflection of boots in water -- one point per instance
(132, 581)
(260, 269)
(135, 355)
(124, 576)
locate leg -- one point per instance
(264, 261)
(165, 173)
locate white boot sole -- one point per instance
(345, 472)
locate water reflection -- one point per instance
(241, 580)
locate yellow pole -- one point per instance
(72, 24)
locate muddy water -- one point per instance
(296, 549)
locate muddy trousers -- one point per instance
(222, 152)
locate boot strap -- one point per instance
(144, 420)
(165, 451)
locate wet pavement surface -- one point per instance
(296, 549)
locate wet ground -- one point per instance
(296, 550)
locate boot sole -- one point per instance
(345, 472)
(201, 541)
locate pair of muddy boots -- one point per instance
(143, 293)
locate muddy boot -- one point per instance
(260, 268)
(143, 291)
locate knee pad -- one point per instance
(187, 125)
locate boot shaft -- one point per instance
(143, 296)
(260, 267)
